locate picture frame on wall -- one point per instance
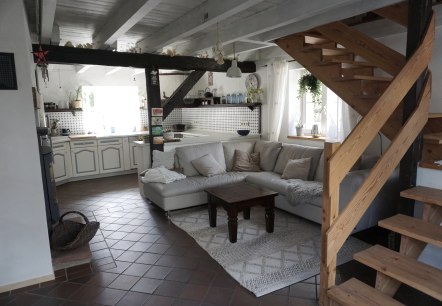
(157, 130)
(157, 120)
(157, 111)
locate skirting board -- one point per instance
(26, 283)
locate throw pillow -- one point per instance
(207, 165)
(244, 161)
(297, 169)
(166, 159)
(268, 153)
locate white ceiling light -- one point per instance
(234, 71)
(113, 70)
(84, 69)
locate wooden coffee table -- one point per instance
(241, 197)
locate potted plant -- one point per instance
(77, 102)
(253, 94)
(309, 83)
(299, 127)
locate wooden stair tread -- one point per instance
(407, 270)
(414, 228)
(429, 164)
(352, 62)
(434, 138)
(354, 292)
(424, 194)
(434, 115)
(365, 78)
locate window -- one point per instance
(303, 110)
(111, 109)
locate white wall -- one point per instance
(24, 241)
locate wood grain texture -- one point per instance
(373, 51)
(362, 199)
(354, 292)
(422, 277)
(396, 12)
(424, 194)
(414, 228)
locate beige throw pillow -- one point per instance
(207, 165)
(297, 169)
(244, 161)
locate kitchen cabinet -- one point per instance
(84, 156)
(62, 161)
(130, 157)
(133, 156)
(110, 155)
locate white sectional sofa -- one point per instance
(273, 159)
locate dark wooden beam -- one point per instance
(69, 55)
(176, 99)
(419, 13)
(153, 101)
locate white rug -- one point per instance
(262, 262)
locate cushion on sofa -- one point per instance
(189, 153)
(319, 175)
(297, 169)
(268, 153)
(166, 159)
(244, 161)
(293, 151)
(207, 165)
(229, 151)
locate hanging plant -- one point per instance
(310, 83)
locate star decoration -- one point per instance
(40, 54)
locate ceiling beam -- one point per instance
(122, 20)
(47, 16)
(205, 15)
(68, 55)
(283, 17)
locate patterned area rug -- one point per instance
(259, 261)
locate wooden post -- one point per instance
(153, 101)
(330, 211)
(419, 13)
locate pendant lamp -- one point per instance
(234, 71)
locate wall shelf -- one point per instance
(216, 102)
(63, 110)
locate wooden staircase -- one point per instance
(373, 79)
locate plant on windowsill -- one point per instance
(78, 100)
(309, 83)
(299, 127)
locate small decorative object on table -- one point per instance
(299, 127)
(315, 131)
(244, 129)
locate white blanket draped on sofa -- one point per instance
(300, 191)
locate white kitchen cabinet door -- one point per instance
(111, 158)
(133, 156)
(84, 161)
(62, 165)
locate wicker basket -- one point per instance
(68, 235)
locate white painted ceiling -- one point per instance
(188, 26)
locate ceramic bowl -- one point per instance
(243, 132)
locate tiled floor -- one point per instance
(140, 258)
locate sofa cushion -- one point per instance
(166, 159)
(189, 153)
(246, 161)
(268, 153)
(193, 184)
(319, 175)
(297, 169)
(293, 151)
(207, 165)
(270, 180)
(229, 151)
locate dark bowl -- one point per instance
(243, 132)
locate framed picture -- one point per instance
(157, 131)
(158, 140)
(157, 120)
(157, 112)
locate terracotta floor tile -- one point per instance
(102, 279)
(109, 296)
(202, 277)
(64, 290)
(170, 288)
(123, 245)
(243, 297)
(273, 299)
(87, 293)
(129, 256)
(124, 282)
(134, 299)
(218, 296)
(180, 275)
(140, 246)
(137, 269)
(194, 292)
(160, 301)
(148, 258)
(24, 299)
(48, 301)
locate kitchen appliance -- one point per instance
(65, 132)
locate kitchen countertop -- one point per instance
(205, 136)
(58, 139)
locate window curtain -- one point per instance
(277, 73)
(341, 118)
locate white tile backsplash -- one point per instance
(220, 119)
